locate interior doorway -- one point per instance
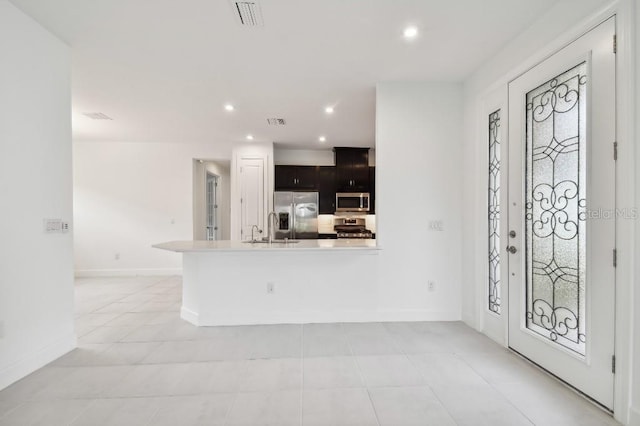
(212, 206)
(211, 203)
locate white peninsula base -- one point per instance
(235, 283)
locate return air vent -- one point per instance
(276, 121)
(248, 12)
(97, 116)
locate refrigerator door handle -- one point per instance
(292, 221)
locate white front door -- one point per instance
(252, 196)
(562, 213)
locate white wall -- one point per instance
(36, 287)
(419, 178)
(303, 157)
(129, 196)
(310, 157)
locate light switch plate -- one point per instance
(52, 226)
(436, 225)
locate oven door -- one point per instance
(352, 202)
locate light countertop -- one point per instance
(239, 246)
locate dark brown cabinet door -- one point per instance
(306, 178)
(284, 178)
(352, 166)
(360, 177)
(372, 190)
(327, 189)
(295, 178)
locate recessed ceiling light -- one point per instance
(329, 110)
(410, 33)
(229, 107)
(322, 139)
(249, 137)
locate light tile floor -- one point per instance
(138, 363)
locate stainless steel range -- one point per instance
(351, 227)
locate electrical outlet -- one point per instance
(271, 287)
(431, 285)
(117, 256)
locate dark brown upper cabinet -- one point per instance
(327, 189)
(296, 178)
(352, 169)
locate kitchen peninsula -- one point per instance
(306, 281)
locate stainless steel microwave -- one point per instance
(352, 201)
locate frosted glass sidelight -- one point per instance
(556, 208)
(494, 212)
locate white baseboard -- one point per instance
(634, 416)
(41, 357)
(412, 315)
(95, 273)
(283, 317)
(190, 316)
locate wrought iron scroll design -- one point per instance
(494, 212)
(556, 209)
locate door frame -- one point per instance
(496, 97)
(492, 324)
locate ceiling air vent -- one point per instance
(276, 121)
(97, 116)
(248, 12)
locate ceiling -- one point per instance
(164, 69)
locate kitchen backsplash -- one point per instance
(325, 223)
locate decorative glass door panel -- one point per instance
(212, 207)
(556, 117)
(494, 213)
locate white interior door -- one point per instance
(562, 213)
(251, 196)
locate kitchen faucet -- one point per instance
(270, 226)
(254, 227)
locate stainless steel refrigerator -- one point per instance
(297, 215)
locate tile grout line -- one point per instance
(512, 404)
(494, 388)
(20, 404)
(241, 374)
(362, 380)
(426, 382)
(497, 390)
(82, 412)
(302, 375)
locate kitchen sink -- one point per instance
(272, 242)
